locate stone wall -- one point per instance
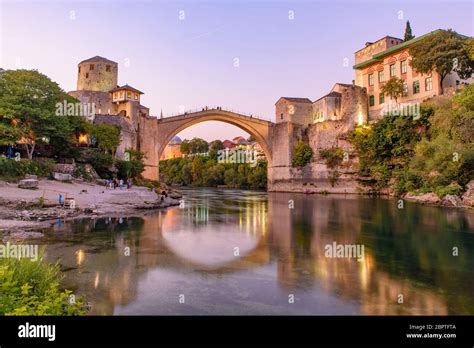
(102, 100)
(316, 176)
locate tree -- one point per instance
(214, 147)
(408, 35)
(107, 137)
(470, 47)
(185, 147)
(302, 154)
(196, 145)
(27, 109)
(133, 167)
(393, 88)
(444, 51)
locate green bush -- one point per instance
(424, 154)
(11, 169)
(131, 168)
(102, 162)
(302, 154)
(33, 288)
(453, 189)
(81, 172)
(333, 156)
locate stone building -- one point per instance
(389, 57)
(343, 102)
(97, 85)
(172, 150)
(295, 110)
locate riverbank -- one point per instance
(28, 209)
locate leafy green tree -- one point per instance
(185, 147)
(107, 137)
(408, 34)
(197, 170)
(393, 88)
(198, 145)
(443, 52)
(102, 163)
(133, 167)
(302, 154)
(214, 147)
(470, 47)
(27, 109)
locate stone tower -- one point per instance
(97, 74)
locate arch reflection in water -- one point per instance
(191, 251)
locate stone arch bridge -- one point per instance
(155, 134)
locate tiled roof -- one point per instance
(330, 94)
(298, 100)
(125, 87)
(98, 59)
(377, 57)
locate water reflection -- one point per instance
(240, 252)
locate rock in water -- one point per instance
(452, 201)
(429, 198)
(30, 184)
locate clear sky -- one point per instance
(240, 55)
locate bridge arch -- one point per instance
(157, 133)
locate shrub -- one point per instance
(102, 162)
(33, 288)
(11, 169)
(333, 156)
(302, 154)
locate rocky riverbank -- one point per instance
(466, 200)
(26, 208)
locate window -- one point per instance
(129, 95)
(393, 71)
(416, 87)
(135, 96)
(405, 88)
(381, 76)
(429, 84)
(121, 95)
(107, 68)
(381, 98)
(403, 66)
(91, 67)
(371, 79)
(281, 116)
(371, 100)
(79, 69)
(87, 75)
